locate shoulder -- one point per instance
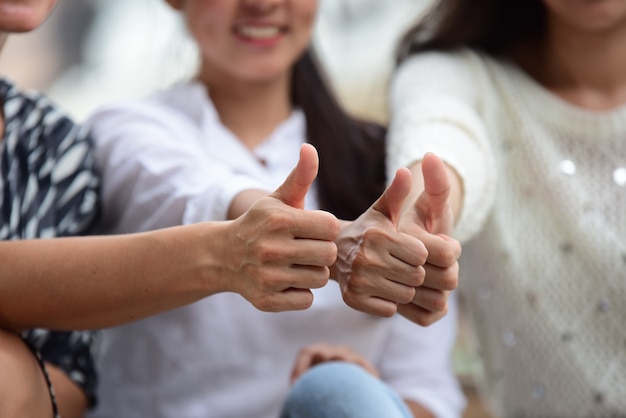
(434, 62)
(27, 111)
(463, 74)
(36, 125)
(177, 108)
(442, 67)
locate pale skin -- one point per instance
(415, 283)
(437, 196)
(581, 57)
(426, 210)
(368, 273)
(398, 256)
(272, 256)
(581, 60)
(379, 266)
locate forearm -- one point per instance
(93, 282)
(71, 400)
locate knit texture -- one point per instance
(544, 259)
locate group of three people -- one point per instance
(530, 130)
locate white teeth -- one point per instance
(258, 32)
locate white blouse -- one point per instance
(168, 160)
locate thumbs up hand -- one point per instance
(278, 251)
(431, 220)
(378, 267)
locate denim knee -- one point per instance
(342, 390)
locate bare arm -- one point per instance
(71, 400)
(93, 282)
(395, 257)
(272, 255)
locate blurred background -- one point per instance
(90, 52)
(93, 51)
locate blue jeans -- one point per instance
(342, 390)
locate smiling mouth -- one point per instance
(259, 32)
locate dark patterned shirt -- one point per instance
(48, 188)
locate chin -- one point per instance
(20, 22)
(262, 75)
(23, 17)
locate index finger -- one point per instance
(314, 224)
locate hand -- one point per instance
(378, 267)
(316, 354)
(278, 250)
(431, 220)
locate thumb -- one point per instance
(295, 187)
(434, 200)
(392, 199)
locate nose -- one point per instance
(262, 6)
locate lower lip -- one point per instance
(264, 42)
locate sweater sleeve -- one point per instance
(154, 172)
(435, 107)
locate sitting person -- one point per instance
(49, 188)
(526, 103)
(204, 150)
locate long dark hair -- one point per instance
(492, 26)
(352, 152)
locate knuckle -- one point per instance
(426, 319)
(416, 277)
(450, 281)
(448, 256)
(331, 255)
(354, 300)
(327, 223)
(267, 253)
(351, 281)
(366, 260)
(279, 219)
(420, 250)
(387, 310)
(264, 304)
(440, 304)
(333, 225)
(320, 278)
(306, 302)
(266, 282)
(351, 299)
(375, 235)
(407, 295)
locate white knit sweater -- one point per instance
(544, 226)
